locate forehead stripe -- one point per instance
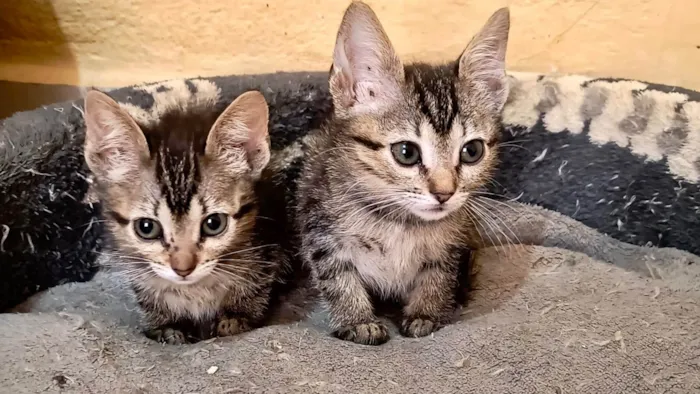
(178, 175)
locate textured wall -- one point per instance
(117, 42)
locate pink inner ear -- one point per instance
(364, 51)
(257, 155)
(369, 74)
(341, 80)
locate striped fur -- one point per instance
(374, 228)
(177, 172)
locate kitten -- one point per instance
(180, 206)
(384, 193)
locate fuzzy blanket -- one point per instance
(579, 312)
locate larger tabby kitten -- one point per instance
(383, 194)
(179, 201)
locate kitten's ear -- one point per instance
(367, 74)
(239, 137)
(115, 146)
(482, 65)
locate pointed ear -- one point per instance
(239, 137)
(482, 65)
(115, 146)
(367, 74)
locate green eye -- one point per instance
(406, 153)
(472, 152)
(148, 229)
(214, 224)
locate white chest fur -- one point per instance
(394, 257)
(197, 301)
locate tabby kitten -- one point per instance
(382, 200)
(179, 202)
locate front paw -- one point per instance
(169, 335)
(374, 333)
(418, 327)
(229, 326)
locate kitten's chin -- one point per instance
(432, 213)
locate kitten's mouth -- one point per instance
(172, 277)
(432, 212)
(185, 281)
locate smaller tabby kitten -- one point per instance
(179, 202)
(384, 199)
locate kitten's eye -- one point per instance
(148, 229)
(214, 224)
(472, 152)
(406, 153)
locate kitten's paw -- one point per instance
(375, 333)
(168, 335)
(232, 326)
(418, 327)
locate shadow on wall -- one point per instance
(32, 43)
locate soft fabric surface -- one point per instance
(618, 155)
(541, 320)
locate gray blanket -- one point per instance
(541, 320)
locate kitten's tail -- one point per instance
(49, 233)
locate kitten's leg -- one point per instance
(241, 314)
(161, 329)
(165, 328)
(349, 304)
(432, 301)
(167, 334)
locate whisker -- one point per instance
(378, 203)
(245, 261)
(362, 200)
(92, 223)
(123, 256)
(476, 225)
(490, 203)
(244, 250)
(499, 202)
(487, 215)
(230, 275)
(509, 145)
(481, 220)
(385, 206)
(138, 275)
(343, 147)
(351, 186)
(264, 218)
(496, 184)
(245, 270)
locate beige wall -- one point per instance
(118, 42)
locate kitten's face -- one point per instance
(426, 153)
(419, 139)
(179, 199)
(183, 241)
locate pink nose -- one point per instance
(183, 263)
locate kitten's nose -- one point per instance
(442, 184)
(183, 263)
(442, 197)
